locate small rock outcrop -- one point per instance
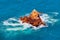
(33, 19)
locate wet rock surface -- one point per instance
(33, 19)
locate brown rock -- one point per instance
(33, 19)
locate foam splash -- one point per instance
(48, 19)
(16, 22)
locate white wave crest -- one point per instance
(16, 22)
(48, 19)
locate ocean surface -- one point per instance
(17, 8)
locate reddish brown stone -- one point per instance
(33, 19)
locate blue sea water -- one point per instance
(13, 8)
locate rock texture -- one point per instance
(33, 19)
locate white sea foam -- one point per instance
(45, 17)
(48, 19)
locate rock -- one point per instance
(33, 19)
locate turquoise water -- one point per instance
(15, 8)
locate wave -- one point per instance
(14, 22)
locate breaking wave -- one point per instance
(18, 25)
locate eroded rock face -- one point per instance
(33, 19)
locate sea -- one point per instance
(14, 9)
